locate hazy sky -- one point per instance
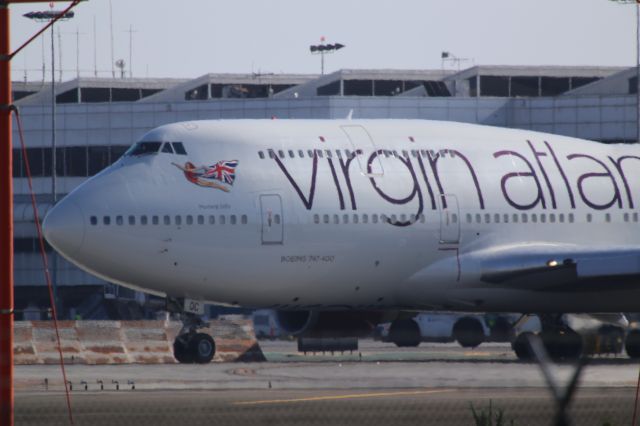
(194, 37)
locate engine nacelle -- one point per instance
(328, 323)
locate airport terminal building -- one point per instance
(98, 119)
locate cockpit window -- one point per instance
(167, 148)
(144, 148)
(179, 148)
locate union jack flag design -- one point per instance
(224, 171)
(209, 176)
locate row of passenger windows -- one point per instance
(338, 153)
(470, 218)
(541, 218)
(169, 220)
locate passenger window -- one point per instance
(607, 217)
(106, 220)
(143, 220)
(355, 218)
(345, 218)
(487, 218)
(292, 154)
(222, 219)
(515, 217)
(384, 218)
(543, 218)
(347, 153)
(276, 219)
(422, 218)
(571, 218)
(336, 219)
(589, 217)
(338, 154)
(132, 220)
(119, 220)
(478, 218)
(496, 218)
(178, 147)
(561, 218)
(316, 218)
(405, 153)
(635, 217)
(469, 218)
(525, 218)
(212, 220)
(233, 219)
(200, 219)
(365, 218)
(374, 218)
(167, 220)
(311, 153)
(328, 152)
(454, 218)
(506, 218)
(94, 220)
(325, 218)
(319, 153)
(534, 218)
(300, 153)
(189, 220)
(155, 220)
(244, 219)
(281, 153)
(272, 154)
(261, 155)
(552, 218)
(178, 220)
(626, 217)
(167, 148)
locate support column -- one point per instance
(6, 225)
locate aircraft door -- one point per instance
(361, 141)
(272, 219)
(449, 219)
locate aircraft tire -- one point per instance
(181, 351)
(632, 344)
(468, 332)
(563, 344)
(202, 348)
(521, 346)
(405, 333)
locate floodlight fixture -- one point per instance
(324, 48)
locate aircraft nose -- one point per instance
(63, 227)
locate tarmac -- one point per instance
(434, 384)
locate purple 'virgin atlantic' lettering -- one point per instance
(433, 162)
(398, 201)
(345, 171)
(616, 192)
(618, 164)
(308, 202)
(426, 180)
(537, 155)
(564, 176)
(337, 183)
(458, 154)
(531, 173)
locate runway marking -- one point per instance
(340, 397)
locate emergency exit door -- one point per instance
(272, 219)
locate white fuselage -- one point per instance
(297, 221)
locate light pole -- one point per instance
(637, 3)
(50, 15)
(322, 48)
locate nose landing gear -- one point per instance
(190, 346)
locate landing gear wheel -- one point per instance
(468, 332)
(405, 333)
(202, 348)
(181, 350)
(632, 344)
(562, 344)
(521, 346)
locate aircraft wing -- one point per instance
(551, 267)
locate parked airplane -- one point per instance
(343, 224)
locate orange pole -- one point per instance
(6, 225)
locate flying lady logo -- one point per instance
(220, 175)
